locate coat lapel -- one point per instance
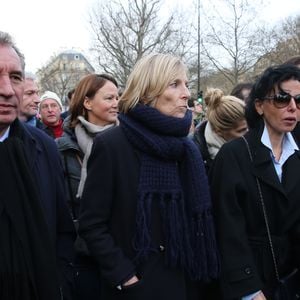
(291, 169)
(31, 147)
(263, 167)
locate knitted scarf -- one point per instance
(172, 171)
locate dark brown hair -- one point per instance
(87, 87)
(294, 60)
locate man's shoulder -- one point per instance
(39, 135)
(40, 124)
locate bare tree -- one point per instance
(124, 32)
(287, 37)
(56, 81)
(231, 38)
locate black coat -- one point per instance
(246, 260)
(72, 158)
(200, 141)
(107, 223)
(44, 163)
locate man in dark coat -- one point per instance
(36, 231)
(29, 106)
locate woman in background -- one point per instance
(93, 110)
(225, 121)
(146, 213)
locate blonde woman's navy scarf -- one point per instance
(172, 171)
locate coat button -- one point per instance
(161, 248)
(248, 271)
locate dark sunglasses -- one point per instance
(283, 99)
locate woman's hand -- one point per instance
(133, 280)
(260, 296)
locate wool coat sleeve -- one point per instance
(239, 276)
(65, 234)
(44, 158)
(99, 201)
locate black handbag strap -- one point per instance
(265, 214)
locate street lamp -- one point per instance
(198, 67)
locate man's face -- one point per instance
(50, 112)
(31, 99)
(11, 86)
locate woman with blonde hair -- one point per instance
(93, 110)
(146, 212)
(225, 121)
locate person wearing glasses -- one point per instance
(295, 60)
(247, 266)
(93, 110)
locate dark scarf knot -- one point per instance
(172, 171)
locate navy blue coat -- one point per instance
(107, 223)
(45, 164)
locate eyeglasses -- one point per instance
(283, 99)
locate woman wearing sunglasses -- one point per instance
(271, 162)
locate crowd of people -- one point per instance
(147, 194)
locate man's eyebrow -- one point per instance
(20, 73)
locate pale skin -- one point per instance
(11, 86)
(260, 296)
(31, 99)
(50, 111)
(172, 102)
(102, 109)
(280, 120)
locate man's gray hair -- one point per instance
(30, 75)
(6, 40)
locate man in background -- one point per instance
(50, 112)
(29, 105)
(70, 96)
(242, 90)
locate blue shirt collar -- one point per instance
(5, 135)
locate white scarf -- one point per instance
(85, 133)
(214, 141)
